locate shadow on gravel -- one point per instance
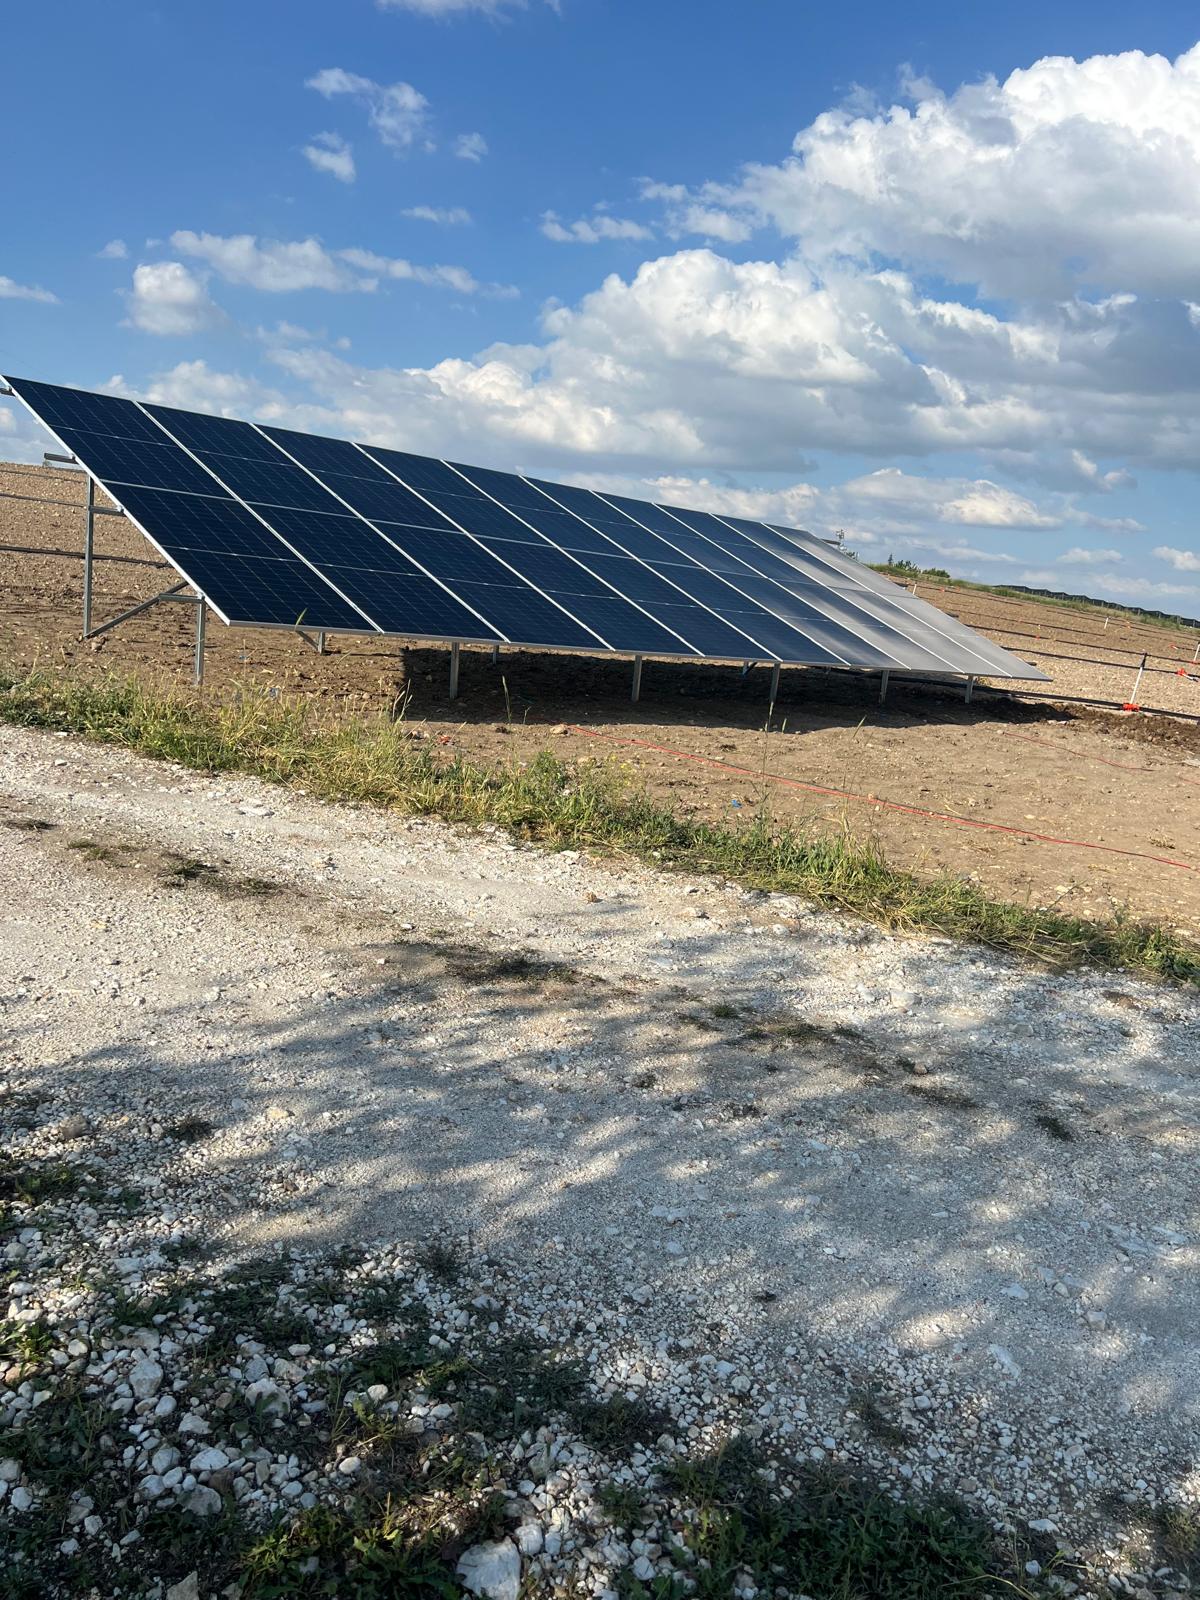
(1010, 1200)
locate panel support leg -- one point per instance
(969, 691)
(775, 683)
(636, 693)
(201, 613)
(883, 685)
(454, 670)
(495, 655)
(321, 642)
(89, 532)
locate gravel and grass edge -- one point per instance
(591, 806)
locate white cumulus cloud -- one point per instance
(281, 266)
(1079, 557)
(397, 112)
(470, 147)
(1068, 172)
(593, 229)
(11, 290)
(329, 152)
(168, 298)
(114, 250)
(277, 266)
(1181, 560)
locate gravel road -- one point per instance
(858, 1163)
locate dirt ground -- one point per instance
(1039, 801)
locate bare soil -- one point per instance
(1102, 805)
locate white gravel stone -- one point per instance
(202, 1501)
(145, 1379)
(492, 1569)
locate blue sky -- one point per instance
(934, 280)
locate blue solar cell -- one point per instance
(623, 625)
(343, 541)
(322, 455)
(525, 616)
(713, 636)
(419, 472)
(384, 500)
(411, 605)
(790, 644)
(714, 592)
(270, 483)
(220, 434)
(178, 522)
(546, 567)
(506, 487)
(565, 530)
(452, 556)
(88, 413)
(475, 514)
(154, 466)
(254, 589)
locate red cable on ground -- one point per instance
(885, 805)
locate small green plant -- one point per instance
(621, 1503)
(41, 1182)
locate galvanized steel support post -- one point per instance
(495, 655)
(201, 613)
(969, 690)
(636, 693)
(883, 685)
(454, 670)
(88, 536)
(775, 683)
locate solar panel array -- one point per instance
(285, 529)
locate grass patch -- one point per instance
(834, 1538)
(96, 850)
(60, 1441)
(548, 803)
(39, 1182)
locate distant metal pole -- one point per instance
(87, 558)
(883, 685)
(200, 616)
(637, 680)
(1196, 657)
(775, 683)
(969, 691)
(1132, 702)
(454, 670)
